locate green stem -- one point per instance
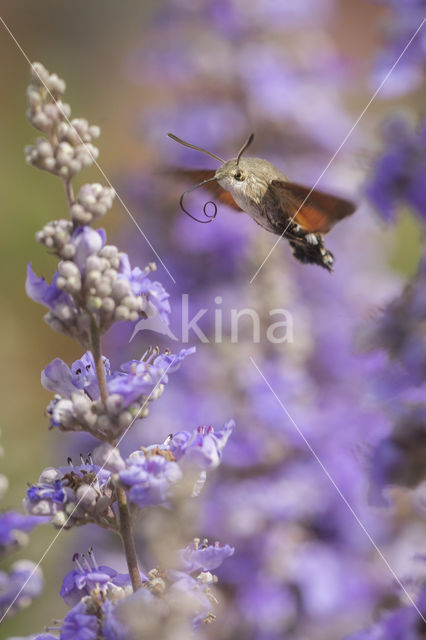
(127, 539)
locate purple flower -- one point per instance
(12, 528)
(59, 378)
(47, 491)
(83, 490)
(87, 242)
(150, 474)
(95, 281)
(79, 624)
(77, 407)
(196, 590)
(154, 367)
(400, 458)
(204, 557)
(203, 447)
(40, 291)
(399, 174)
(87, 576)
(131, 616)
(19, 581)
(402, 624)
(399, 331)
(154, 292)
(406, 16)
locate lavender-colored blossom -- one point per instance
(77, 405)
(197, 590)
(403, 623)
(149, 475)
(154, 292)
(151, 472)
(93, 288)
(14, 527)
(203, 447)
(87, 576)
(402, 22)
(399, 459)
(20, 586)
(399, 331)
(63, 380)
(87, 242)
(399, 173)
(95, 280)
(184, 605)
(62, 315)
(154, 367)
(72, 495)
(204, 557)
(80, 624)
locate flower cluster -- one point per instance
(73, 495)
(403, 19)
(302, 567)
(399, 331)
(150, 472)
(94, 284)
(24, 580)
(397, 177)
(398, 337)
(20, 586)
(103, 605)
(78, 406)
(80, 494)
(93, 287)
(68, 146)
(406, 621)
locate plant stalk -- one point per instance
(99, 364)
(69, 192)
(127, 539)
(123, 509)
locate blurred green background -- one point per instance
(85, 43)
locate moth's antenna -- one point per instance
(245, 146)
(192, 146)
(210, 217)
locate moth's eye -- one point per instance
(239, 175)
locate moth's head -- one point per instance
(232, 174)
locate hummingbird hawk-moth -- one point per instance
(254, 185)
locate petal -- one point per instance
(34, 286)
(87, 242)
(57, 377)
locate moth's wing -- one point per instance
(315, 212)
(198, 175)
